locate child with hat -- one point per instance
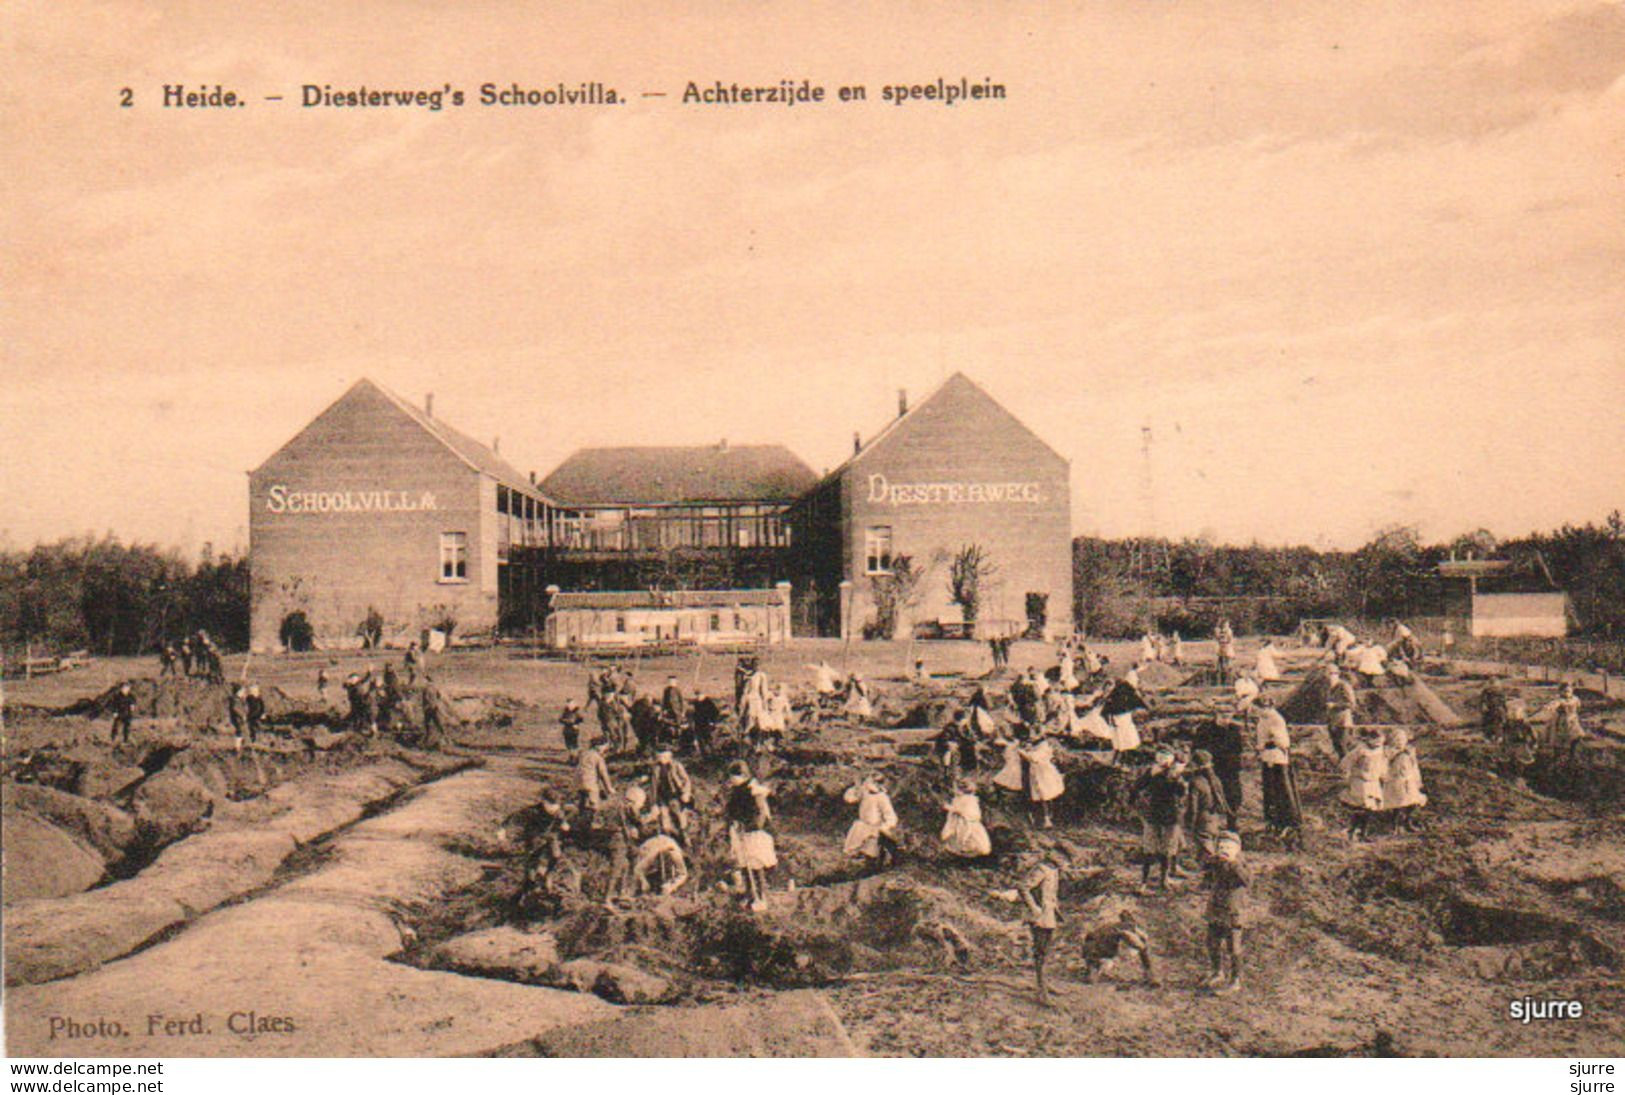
(1160, 797)
(748, 817)
(1038, 888)
(1226, 915)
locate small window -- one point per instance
(716, 621)
(620, 624)
(454, 556)
(877, 550)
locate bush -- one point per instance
(296, 633)
(371, 629)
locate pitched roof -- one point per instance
(480, 457)
(668, 475)
(958, 383)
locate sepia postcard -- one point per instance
(947, 530)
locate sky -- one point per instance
(1286, 273)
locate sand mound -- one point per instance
(171, 805)
(1307, 703)
(1159, 675)
(791, 1024)
(106, 829)
(44, 860)
(1412, 704)
(191, 701)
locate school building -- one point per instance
(955, 486)
(380, 519)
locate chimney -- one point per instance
(722, 446)
(857, 442)
(428, 405)
(902, 402)
(496, 444)
(533, 478)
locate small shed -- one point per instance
(1504, 598)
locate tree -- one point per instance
(894, 594)
(1479, 544)
(968, 572)
(1386, 572)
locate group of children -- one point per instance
(1188, 797)
(1554, 731)
(196, 656)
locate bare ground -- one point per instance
(1409, 944)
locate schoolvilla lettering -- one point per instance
(279, 499)
(881, 490)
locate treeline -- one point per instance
(1123, 586)
(108, 597)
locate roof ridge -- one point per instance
(483, 459)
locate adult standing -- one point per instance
(1225, 636)
(1222, 739)
(705, 716)
(254, 709)
(1283, 812)
(593, 783)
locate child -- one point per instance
(124, 715)
(1207, 812)
(963, 833)
(1109, 941)
(1045, 783)
(1567, 732)
(748, 817)
(570, 720)
(1266, 668)
(1160, 796)
(1402, 786)
(236, 701)
(1226, 915)
(1038, 889)
(1364, 769)
(873, 836)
